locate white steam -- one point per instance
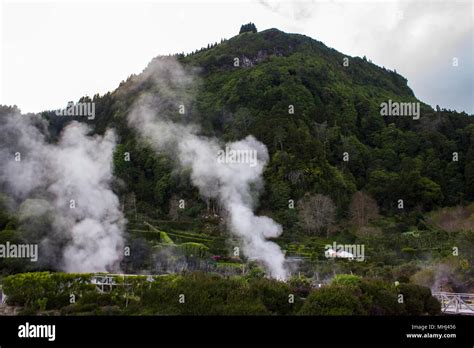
(73, 178)
(235, 185)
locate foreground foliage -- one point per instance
(208, 294)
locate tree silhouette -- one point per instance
(249, 27)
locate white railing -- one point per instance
(455, 303)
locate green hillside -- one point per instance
(312, 110)
(336, 110)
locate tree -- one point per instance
(383, 185)
(362, 209)
(333, 300)
(316, 212)
(249, 27)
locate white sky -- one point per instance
(53, 52)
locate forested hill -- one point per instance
(313, 107)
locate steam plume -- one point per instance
(235, 185)
(73, 179)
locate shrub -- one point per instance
(346, 280)
(381, 297)
(333, 300)
(418, 300)
(300, 286)
(48, 290)
(274, 295)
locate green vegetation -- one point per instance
(208, 294)
(250, 27)
(351, 296)
(336, 110)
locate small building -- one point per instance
(331, 253)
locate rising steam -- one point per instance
(71, 180)
(235, 185)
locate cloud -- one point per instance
(417, 38)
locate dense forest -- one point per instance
(338, 172)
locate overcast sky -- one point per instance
(53, 52)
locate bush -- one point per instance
(211, 294)
(381, 297)
(333, 300)
(96, 298)
(432, 306)
(214, 295)
(254, 272)
(418, 300)
(204, 294)
(300, 286)
(274, 295)
(44, 289)
(349, 295)
(346, 280)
